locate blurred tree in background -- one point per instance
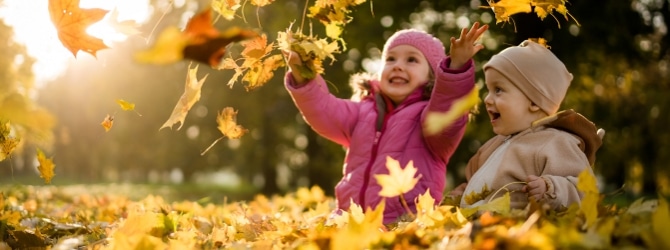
(29, 121)
(618, 56)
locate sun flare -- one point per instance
(33, 28)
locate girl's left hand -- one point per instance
(465, 47)
(536, 187)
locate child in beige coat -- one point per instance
(538, 152)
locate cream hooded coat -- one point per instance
(557, 148)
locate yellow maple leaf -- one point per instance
(399, 180)
(7, 142)
(437, 121)
(227, 121)
(191, 95)
(360, 233)
(108, 122)
(586, 183)
(226, 8)
(46, 167)
(71, 21)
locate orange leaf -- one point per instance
(72, 22)
(208, 45)
(199, 41)
(108, 122)
(46, 166)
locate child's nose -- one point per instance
(398, 66)
(488, 99)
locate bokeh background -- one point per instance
(617, 51)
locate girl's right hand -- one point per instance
(293, 61)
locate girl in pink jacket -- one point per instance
(417, 78)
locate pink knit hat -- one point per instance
(536, 71)
(430, 46)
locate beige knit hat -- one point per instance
(536, 71)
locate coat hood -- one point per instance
(578, 125)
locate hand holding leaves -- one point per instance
(536, 187)
(464, 48)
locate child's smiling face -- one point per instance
(509, 108)
(405, 69)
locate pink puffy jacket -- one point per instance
(353, 125)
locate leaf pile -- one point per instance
(48, 216)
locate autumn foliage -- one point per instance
(48, 217)
(39, 217)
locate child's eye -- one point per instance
(497, 90)
(412, 59)
(390, 59)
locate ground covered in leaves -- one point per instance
(52, 217)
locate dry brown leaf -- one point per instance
(190, 96)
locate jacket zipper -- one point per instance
(368, 169)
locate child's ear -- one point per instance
(533, 107)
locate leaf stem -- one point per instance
(304, 14)
(505, 188)
(404, 204)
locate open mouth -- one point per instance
(494, 115)
(397, 80)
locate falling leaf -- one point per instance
(226, 8)
(107, 122)
(126, 27)
(127, 106)
(7, 142)
(504, 9)
(399, 180)
(586, 183)
(168, 48)
(227, 121)
(436, 121)
(46, 167)
(71, 23)
(199, 41)
(190, 96)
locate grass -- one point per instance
(137, 191)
